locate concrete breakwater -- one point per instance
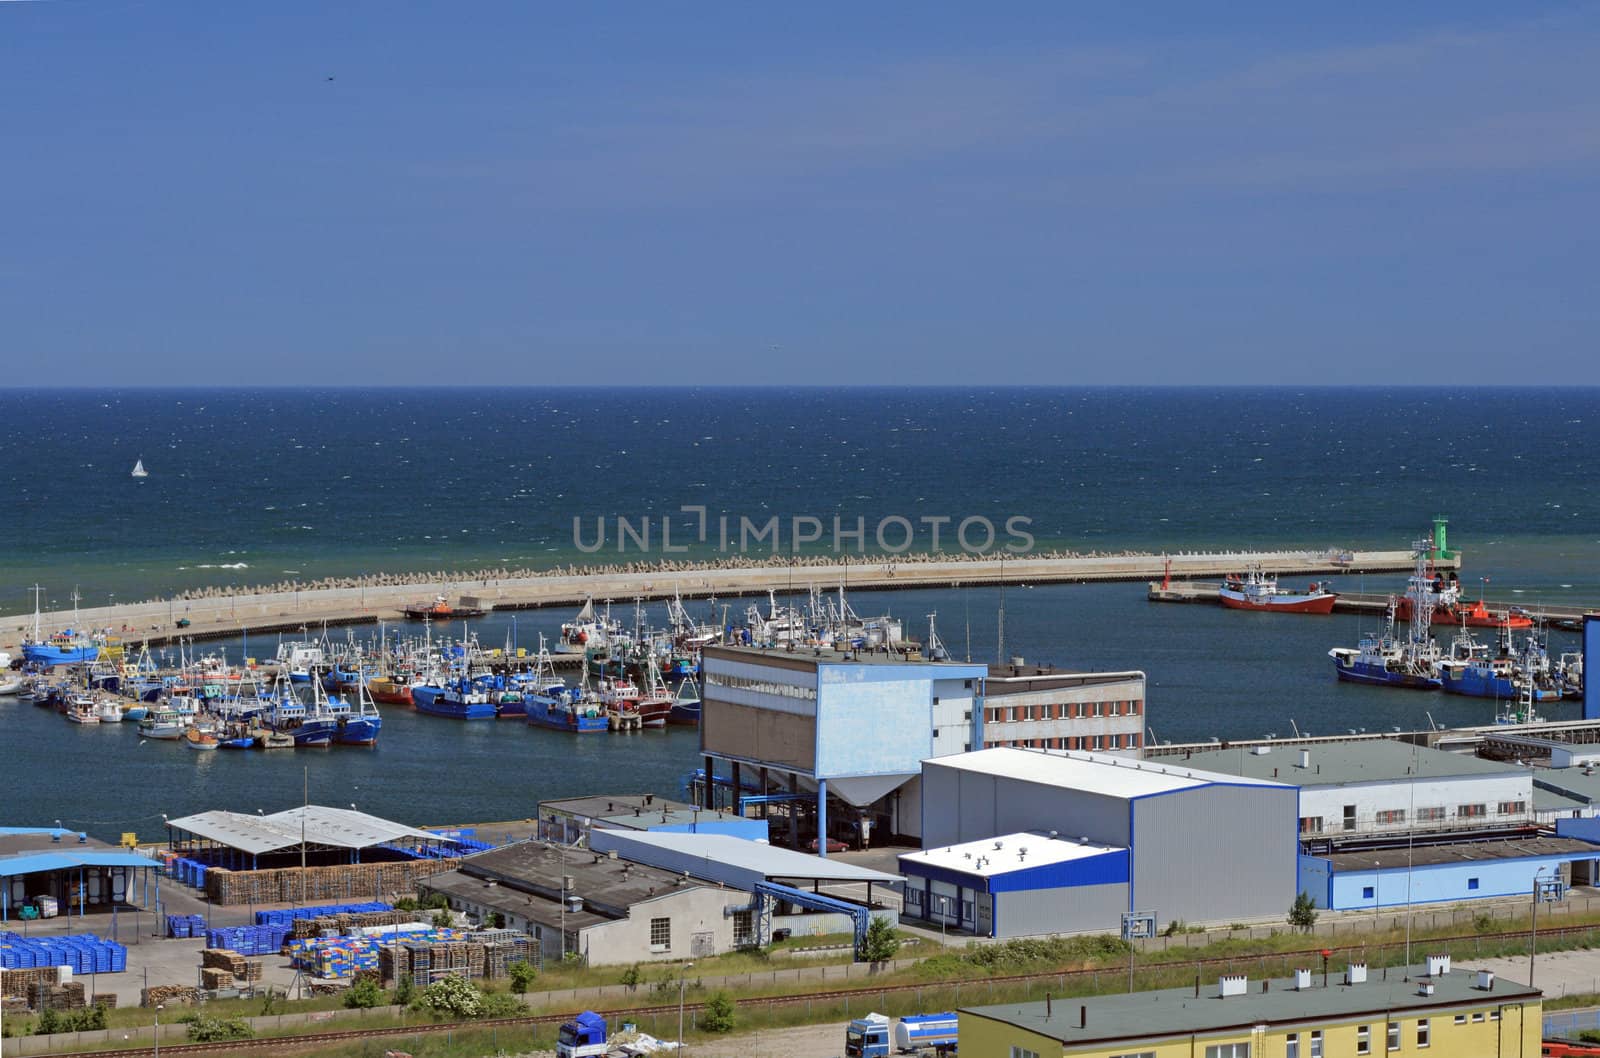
(217, 612)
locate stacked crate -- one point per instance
(84, 952)
(284, 885)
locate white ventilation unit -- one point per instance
(1233, 984)
(1425, 988)
(1486, 980)
(1438, 965)
(1355, 973)
(1302, 979)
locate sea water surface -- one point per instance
(259, 486)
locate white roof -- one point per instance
(1005, 854)
(1100, 773)
(339, 827)
(722, 857)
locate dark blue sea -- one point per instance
(258, 486)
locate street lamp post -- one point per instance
(1533, 924)
(682, 980)
(944, 913)
(157, 1038)
(1377, 895)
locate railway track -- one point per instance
(301, 1041)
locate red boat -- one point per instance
(1259, 591)
(440, 610)
(1449, 608)
(389, 691)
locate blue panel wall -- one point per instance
(1354, 890)
(1107, 868)
(873, 719)
(749, 829)
(1316, 877)
(1591, 651)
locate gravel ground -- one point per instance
(806, 1041)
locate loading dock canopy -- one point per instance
(341, 828)
(735, 862)
(69, 860)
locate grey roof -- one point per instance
(315, 824)
(509, 901)
(1570, 781)
(1554, 801)
(15, 841)
(1101, 773)
(1342, 763)
(1479, 850)
(537, 867)
(737, 862)
(1177, 1012)
(814, 656)
(609, 805)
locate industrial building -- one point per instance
(1385, 823)
(1430, 1010)
(637, 896)
(1038, 707)
(1198, 846)
(809, 731)
(570, 819)
(812, 726)
(1381, 786)
(79, 874)
(1018, 885)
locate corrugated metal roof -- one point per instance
(1099, 773)
(1339, 763)
(340, 827)
(63, 860)
(727, 859)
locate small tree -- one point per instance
(1303, 912)
(522, 976)
(501, 1005)
(49, 1022)
(719, 1014)
(881, 943)
(455, 996)
(404, 992)
(364, 993)
(631, 976)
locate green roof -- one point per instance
(1176, 1011)
(1339, 763)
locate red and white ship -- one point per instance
(1443, 595)
(1259, 591)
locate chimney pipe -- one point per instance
(1047, 1005)
(1083, 1017)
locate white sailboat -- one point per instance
(138, 468)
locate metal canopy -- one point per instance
(66, 860)
(315, 825)
(737, 862)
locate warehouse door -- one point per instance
(702, 945)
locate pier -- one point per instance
(225, 615)
(1371, 603)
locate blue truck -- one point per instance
(583, 1037)
(874, 1036)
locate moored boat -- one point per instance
(195, 738)
(1260, 591)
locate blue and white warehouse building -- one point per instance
(1103, 835)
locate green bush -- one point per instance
(49, 1022)
(501, 1005)
(631, 976)
(719, 1013)
(204, 1029)
(455, 996)
(1303, 912)
(523, 974)
(364, 993)
(881, 943)
(404, 992)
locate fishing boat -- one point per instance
(1441, 592)
(83, 711)
(1381, 659)
(360, 724)
(10, 687)
(389, 690)
(685, 709)
(587, 630)
(551, 703)
(1572, 674)
(655, 704)
(196, 738)
(67, 647)
(163, 723)
(138, 469)
(458, 698)
(109, 710)
(237, 742)
(135, 713)
(1256, 590)
(441, 610)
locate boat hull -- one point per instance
(1472, 615)
(360, 731)
(1375, 676)
(559, 717)
(45, 654)
(686, 714)
(1321, 603)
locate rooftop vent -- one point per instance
(1486, 980)
(612, 854)
(1260, 751)
(1305, 758)
(1233, 984)
(1425, 988)
(1438, 965)
(1302, 979)
(1355, 973)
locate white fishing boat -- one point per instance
(9, 688)
(138, 469)
(82, 711)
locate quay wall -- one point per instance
(220, 613)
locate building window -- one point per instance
(1364, 1039)
(1430, 815)
(1461, 1019)
(1291, 1045)
(1393, 1040)
(1113, 708)
(1391, 817)
(1424, 1036)
(1023, 1052)
(1477, 1017)
(1494, 1015)
(1137, 1054)
(1472, 883)
(1228, 1050)
(744, 933)
(1138, 706)
(1367, 892)
(1477, 811)
(1349, 817)
(661, 934)
(1513, 808)
(1310, 824)
(1316, 1044)
(914, 900)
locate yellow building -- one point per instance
(1453, 1015)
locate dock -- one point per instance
(227, 615)
(1569, 617)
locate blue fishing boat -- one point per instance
(357, 725)
(457, 698)
(685, 709)
(565, 709)
(1380, 659)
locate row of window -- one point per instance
(1427, 814)
(1086, 742)
(999, 714)
(747, 683)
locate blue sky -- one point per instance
(758, 193)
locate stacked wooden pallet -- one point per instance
(351, 881)
(168, 994)
(223, 959)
